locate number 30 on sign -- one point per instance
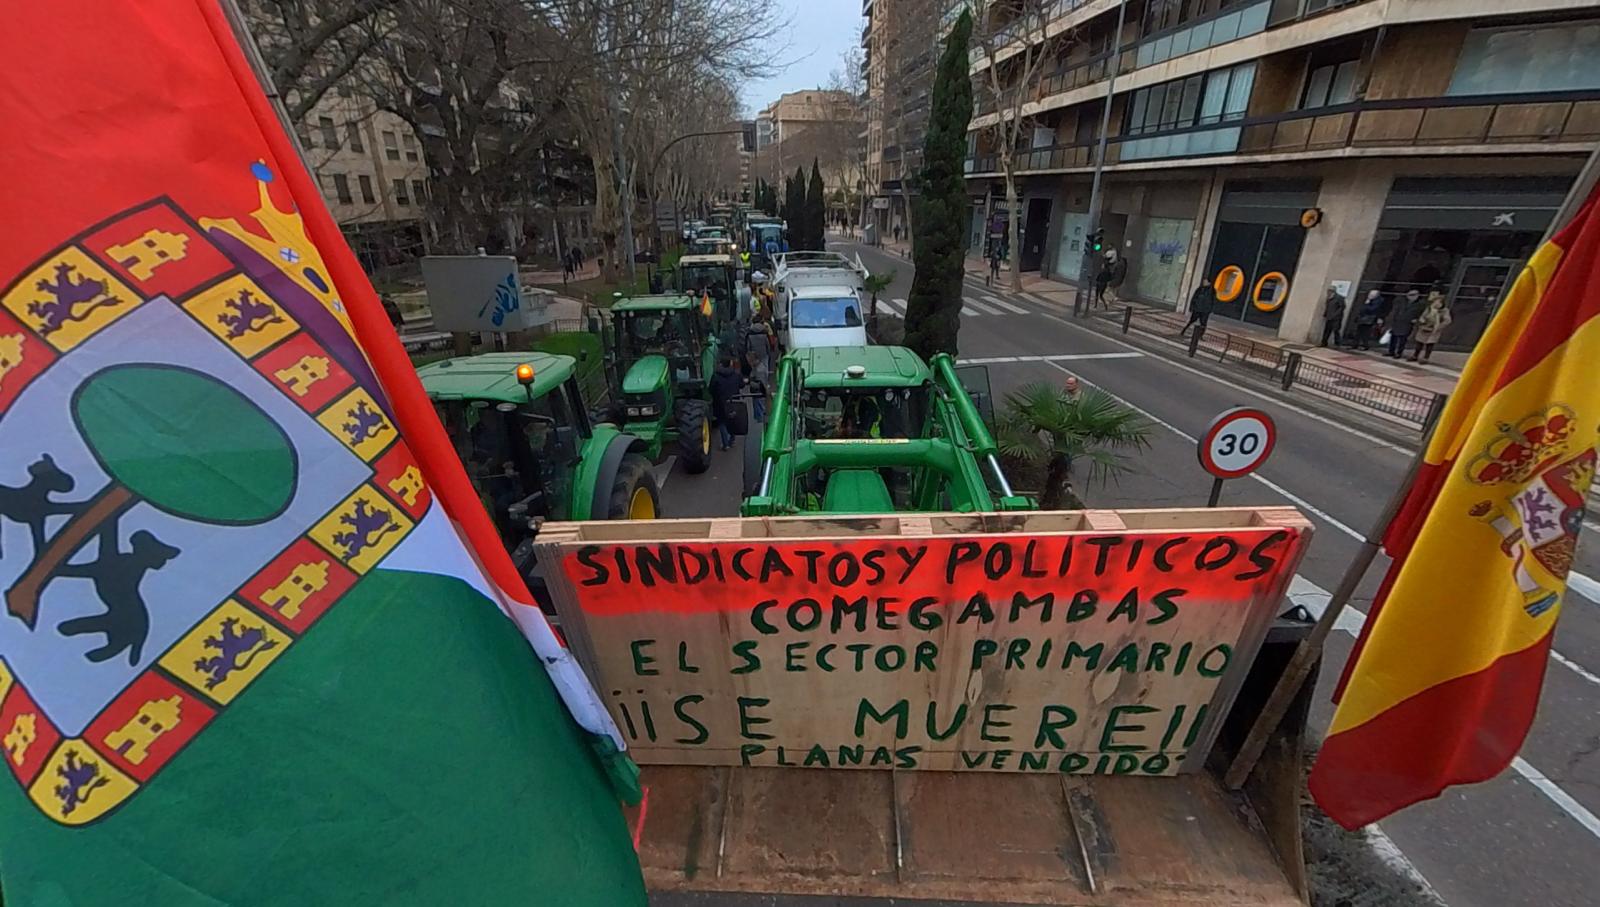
(1238, 441)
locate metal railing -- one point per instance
(1274, 363)
(1501, 119)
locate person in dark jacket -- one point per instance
(1332, 316)
(725, 384)
(1201, 302)
(1367, 318)
(1405, 318)
(393, 312)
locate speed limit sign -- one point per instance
(1238, 441)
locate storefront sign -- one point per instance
(1083, 652)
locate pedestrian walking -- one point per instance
(1430, 326)
(994, 265)
(1072, 387)
(1332, 316)
(725, 384)
(1201, 302)
(1404, 319)
(1367, 319)
(758, 354)
(1103, 277)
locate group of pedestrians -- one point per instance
(1394, 324)
(571, 263)
(747, 351)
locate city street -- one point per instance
(1530, 835)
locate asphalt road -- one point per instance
(1529, 836)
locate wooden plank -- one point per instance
(1024, 651)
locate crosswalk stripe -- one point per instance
(1013, 309)
(969, 306)
(897, 306)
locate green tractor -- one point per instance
(663, 352)
(874, 429)
(522, 429)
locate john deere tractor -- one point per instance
(874, 429)
(522, 429)
(663, 352)
(720, 276)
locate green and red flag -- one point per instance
(254, 643)
(1446, 675)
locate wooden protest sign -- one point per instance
(1108, 642)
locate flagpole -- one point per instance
(258, 63)
(1309, 651)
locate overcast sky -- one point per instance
(808, 50)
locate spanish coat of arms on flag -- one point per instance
(252, 647)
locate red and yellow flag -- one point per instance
(1445, 679)
(705, 304)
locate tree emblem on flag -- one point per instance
(1542, 476)
(163, 387)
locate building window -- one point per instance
(1209, 99)
(391, 147)
(1546, 58)
(341, 188)
(417, 191)
(353, 136)
(411, 146)
(1332, 84)
(366, 188)
(303, 130)
(400, 197)
(330, 135)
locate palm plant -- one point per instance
(875, 284)
(1046, 424)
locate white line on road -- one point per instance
(897, 306)
(1053, 357)
(1013, 309)
(1309, 507)
(970, 306)
(1315, 600)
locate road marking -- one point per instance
(1311, 508)
(897, 306)
(1393, 857)
(970, 306)
(1013, 309)
(1315, 600)
(1344, 428)
(1053, 357)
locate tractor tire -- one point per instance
(634, 495)
(752, 464)
(693, 419)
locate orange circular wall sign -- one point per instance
(1276, 286)
(1229, 283)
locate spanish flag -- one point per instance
(1445, 679)
(705, 304)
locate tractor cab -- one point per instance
(663, 352)
(873, 429)
(720, 276)
(519, 423)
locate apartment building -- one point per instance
(370, 167)
(901, 38)
(1296, 144)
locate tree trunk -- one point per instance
(1014, 225)
(1057, 484)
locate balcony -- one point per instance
(1486, 122)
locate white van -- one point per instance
(825, 316)
(819, 299)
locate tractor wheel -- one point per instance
(693, 418)
(634, 495)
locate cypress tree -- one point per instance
(816, 209)
(938, 248)
(799, 222)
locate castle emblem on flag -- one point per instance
(198, 466)
(1545, 472)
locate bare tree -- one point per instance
(1012, 39)
(312, 45)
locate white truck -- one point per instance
(820, 299)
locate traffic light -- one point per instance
(1097, 241)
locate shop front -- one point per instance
(1256, 247)
(1466, 238)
